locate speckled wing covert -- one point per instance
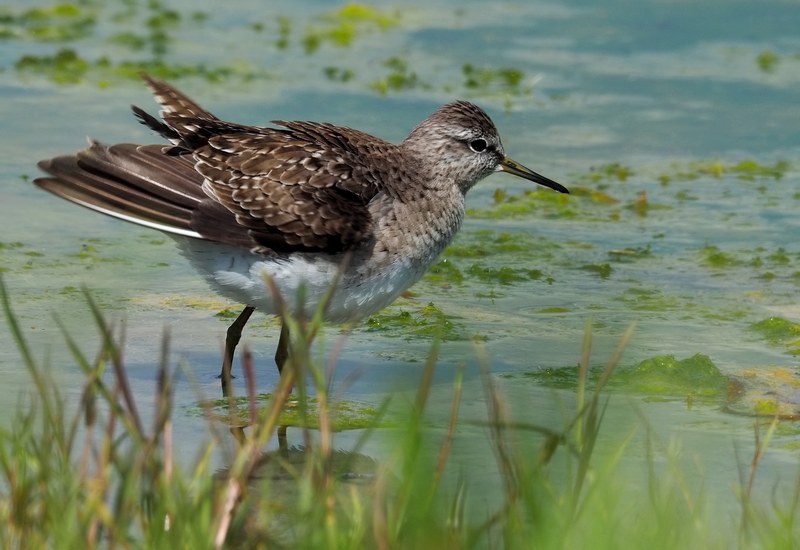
(301, 186)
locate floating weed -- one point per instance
(594, 195)
(209, 303)
(227, 314)
(712, 256)
(667, 376)
(428, 321)
(554, 310)
(777, 330)
(444, 272)
(602, 270)
(483, 243)
(503, 275)
(66, 66)
(582, 203)
(56, 23)
(284, 30)
(342, 26)
(766, 391)
(767, 61)
(779, 257)
(63, 67)
(747, 170)
(489, 80)
(650, 299)
(544, 203)
(344, 414)
(338, 74)
(751, 170)
(399, 78)
(658, 376)
(613, 171)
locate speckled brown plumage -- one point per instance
(294, 201)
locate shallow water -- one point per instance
(678, 95)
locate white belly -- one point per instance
(241, 276)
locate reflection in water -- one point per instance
(282, 479)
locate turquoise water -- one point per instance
(694, 105)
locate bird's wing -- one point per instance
(299, 187)
(302, 187)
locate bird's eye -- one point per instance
(478, 145)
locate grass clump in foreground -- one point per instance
(98, 477)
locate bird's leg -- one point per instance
(281, 356)
(282, 353)
(232, 338)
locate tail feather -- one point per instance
(132, 183)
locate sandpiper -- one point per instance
(294, 201)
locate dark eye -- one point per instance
(478, 145)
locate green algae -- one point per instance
(400, 77)
(650, 299)
(659, 376)
(543, 203)
(343, 414)
(583, 203)
(57, 23)
(484, 243)
(444, 272)
(613, 171)
(422, 322)
(777, 330)
(342, 26)
(712, 256)
(745, 170)
(67, 67)
(666, 375)
(602, 270)
(769, 390)
(506, 81)
(502, 275)
(767, 61)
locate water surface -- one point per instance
(680, 118)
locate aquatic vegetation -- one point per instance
(338, 74)
(767, 61)
(712, 256)
(746, 170)
(64, 67)
(659, 376)
(444, 272)
(582, 204)
(772, 391)
(486, 80)
(400, 77)
(412, 321)
(777, 330)
(665, 375)
(342, 26)
(527, 203)
(57, 23)
(344, 414)
(613, 171)
(603, 270)
(503, 275)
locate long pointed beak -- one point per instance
(513, 167)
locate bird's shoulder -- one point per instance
(294, 185)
